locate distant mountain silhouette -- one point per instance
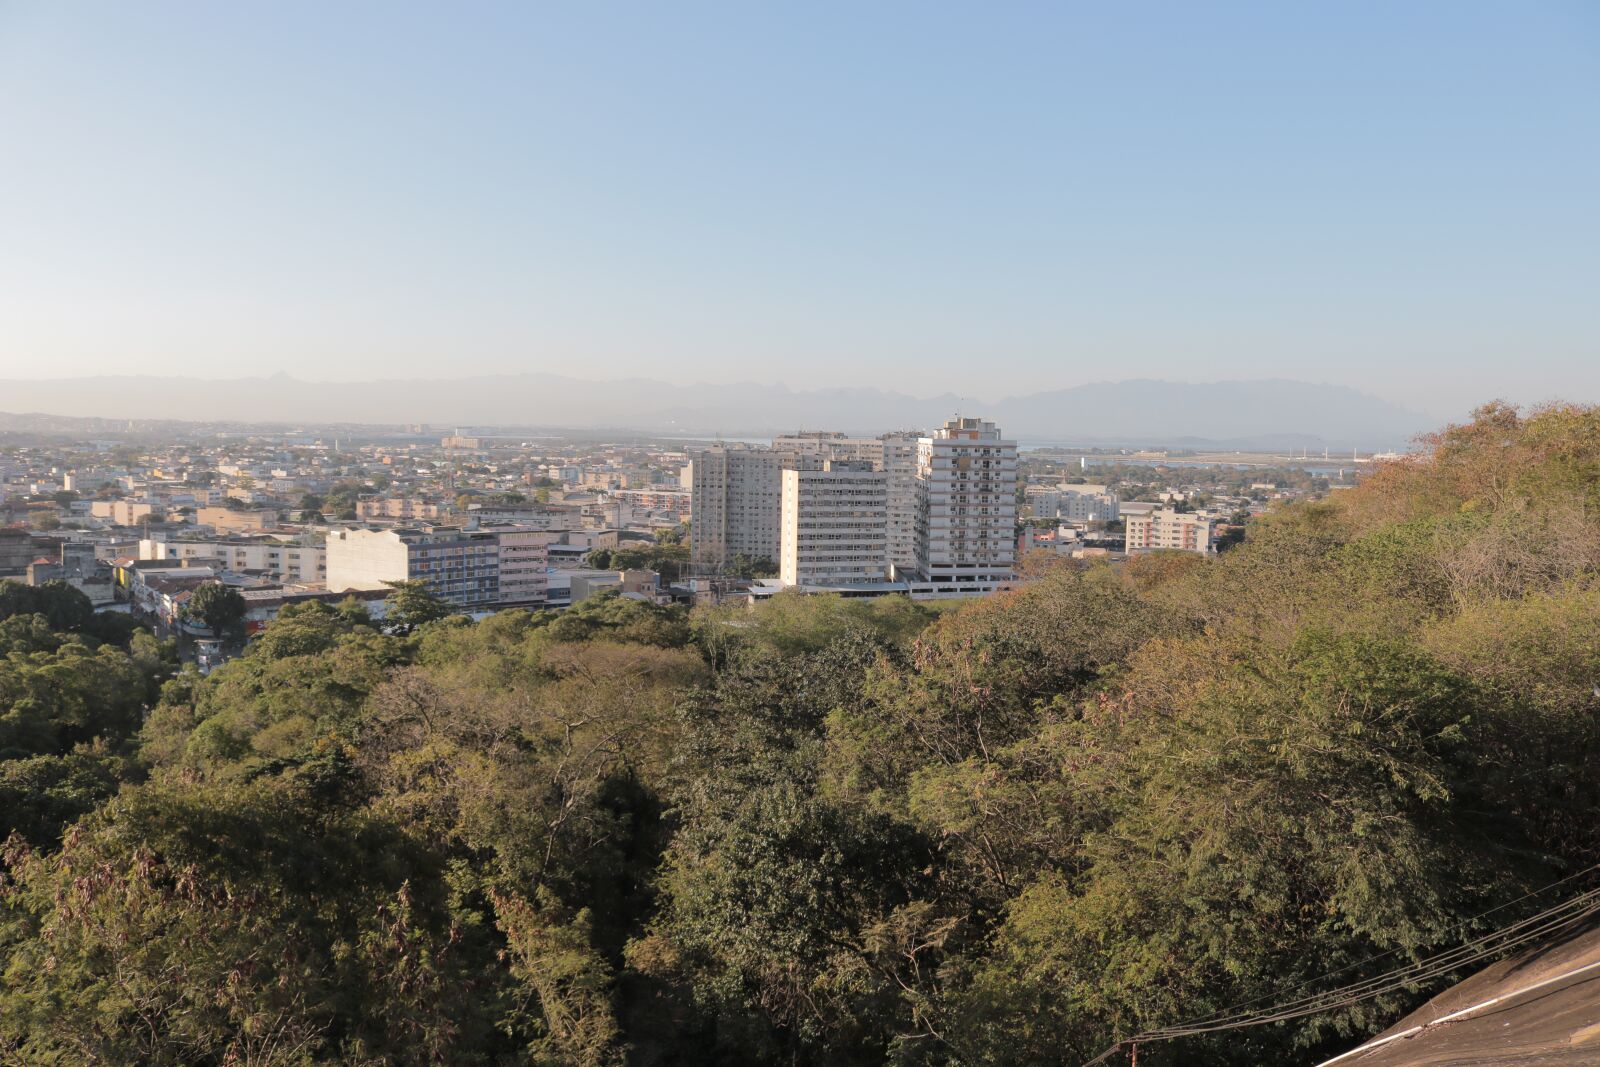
(1270, 413)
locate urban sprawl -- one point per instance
(488, 522)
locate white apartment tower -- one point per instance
(835, 525)
(966, 506)
(893, 453)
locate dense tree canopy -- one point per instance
(821, 830)
(218, 607)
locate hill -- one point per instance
(1271, 413)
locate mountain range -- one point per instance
(1270, 413)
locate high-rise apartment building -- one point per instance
(1150, 527)
(524, 563)
(900, 467)
(835, 525)
(893, 453)
(967, 506)
(736, 501)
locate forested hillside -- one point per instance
(823, 831)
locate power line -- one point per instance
(1462, 925)
(1464, 1012)
(1493, 944)
(1519, 933)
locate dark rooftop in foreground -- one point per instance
(1555, 1025)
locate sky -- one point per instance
(987, 199)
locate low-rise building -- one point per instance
(461, 566)
(1149, 527)
(1088, 503)
(234, 520)
(122, 512)
(404, 509)
(16, 551)
(287, 561)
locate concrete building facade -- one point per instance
(1088, 503)
(406, 509)
(122, 512)
(1150, 527)
(230, 520)
(16, 551)
(524, 565)
(899, 462)
(835, 528)
(967, 508)
(736, 503)
(460, 566)
(284, 560)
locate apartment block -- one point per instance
(899, 464)
(893, 453)
(835, 528)
(284, 560)
(1044, 501)
(661, 498)
(524, 565)
(966, 515)
(1088, 503)
(122, 512)
(404, 509)
(232, 520)
(736, 503)
(1150, 527)
(461, 566)
(16, 551)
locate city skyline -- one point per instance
(1394, 200)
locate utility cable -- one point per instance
(1514, 935)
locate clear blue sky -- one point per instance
(1404, 197)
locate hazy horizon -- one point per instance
(1437, 413)
(989, 203)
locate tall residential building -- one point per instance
(835, 527)
(893, 453)
(967, 506)
(736, 500)
(524, 565)
(900, 465)
(1151, 527)
(461, 566)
